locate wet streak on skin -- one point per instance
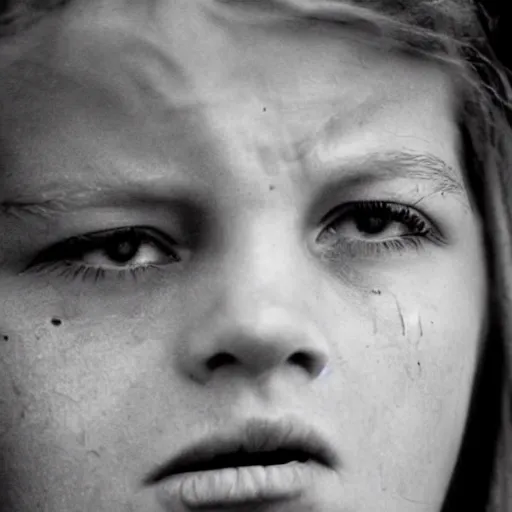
(400, 314)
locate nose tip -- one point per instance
(258, 344)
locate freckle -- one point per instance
(264, 109)
(271, 187)
(16, 389)
(376, 291)
(56, 321)
(80, 438)
(5, 337)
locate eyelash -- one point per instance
(421, 229)
(64, 255)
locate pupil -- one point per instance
(371, 225)
(123, 247)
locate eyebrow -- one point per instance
(365, 170)
(90, 196)
(410, 165)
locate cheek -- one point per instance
(416, 403)
(70, 404)
(60, 365)
(410, 356)
(84, 380)
(407, 380)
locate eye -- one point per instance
(368, 228)
(376, 220)
(123, 249)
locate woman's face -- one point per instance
(301, 248)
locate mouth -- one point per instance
(258, 460)
(240, 458)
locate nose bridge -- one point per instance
(264, 257)
(263, 291)
(259, 321)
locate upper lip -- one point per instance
(254, 435)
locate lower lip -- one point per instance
(233, 486)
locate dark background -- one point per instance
(501, 31)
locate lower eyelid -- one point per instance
(359, 249)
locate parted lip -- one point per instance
(266, 441)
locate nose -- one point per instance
(257, 341)
(261, 320)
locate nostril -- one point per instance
(304, 360)
(221, 359)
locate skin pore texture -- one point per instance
(241, 147)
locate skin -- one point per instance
(236, 144)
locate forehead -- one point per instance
(155, 73)
(188, 52)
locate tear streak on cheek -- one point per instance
(398, 332)
(392, 318)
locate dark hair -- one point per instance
(17, 15)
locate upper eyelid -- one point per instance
(356, 205)
(105, 234)
(96, 236)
